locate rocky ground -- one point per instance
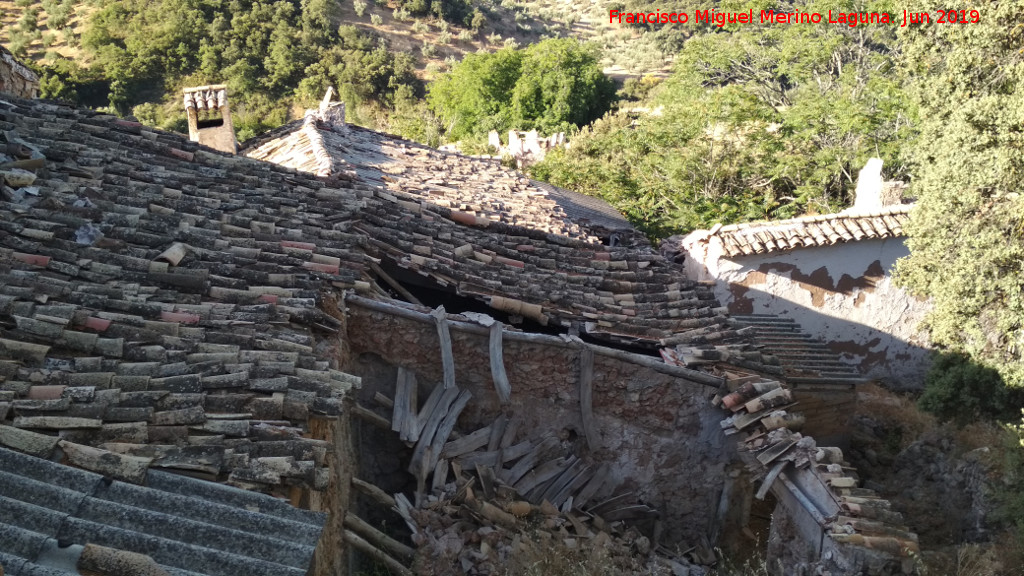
(946, 481)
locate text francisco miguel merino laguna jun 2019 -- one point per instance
(715, 18)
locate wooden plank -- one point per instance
(447, 359)
(541, 474)
(596, 482)
(411, 427)
(633, 512)
(575, 483)
(612, 503)
(563, 480)
(497, 431)
(498, 374)
(419, 459)
(771, 453)
(428, 409)
(440, 476)
(587, 397)
(404, 509)
(491, 458)
(547, 446)
(487, 480)
(400, 409)
(444, 430)
(766, 484)
(467, 443)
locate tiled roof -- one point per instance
(48, 512)
(616, 293)
(478, 186)
(762, 237)
(159, 302)
(166, 303)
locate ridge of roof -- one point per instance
(449, 179)
(766, 236)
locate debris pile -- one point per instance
(493, 497)
(860, 526)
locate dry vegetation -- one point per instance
(994, 448)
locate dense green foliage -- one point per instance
(967, 232)
(267, 51)
(550, 86)
(450, 10)
(756, 122)
(964, 391)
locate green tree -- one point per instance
(474, 96)
(561, 87)
(755, 122)
(967, 231)
(553, 85)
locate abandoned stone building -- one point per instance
(228, 365)
(831, 274)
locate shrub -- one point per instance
(400, 14)
(477, 20)
(444, 38)
(376, 20)
(428, 50)
(963, 391)
(360, 7)
(420, 27)
(493, 38)
(465, 36)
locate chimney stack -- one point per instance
(872, 192)
(209, 117)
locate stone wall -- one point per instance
(657, 431)
(15, 78)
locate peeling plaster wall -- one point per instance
(843, 294)
(659, 433)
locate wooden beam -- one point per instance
(587, 397)
(400, 411)
(372, 417)
(447, 359)
(394, 283)
(651, 362)
(378, 538)
(501, 383)
(393, 566)
(373, 493)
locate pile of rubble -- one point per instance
(490, 499)
(857, 527)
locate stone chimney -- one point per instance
(872, 192)
(15, 78)
(209, 117)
